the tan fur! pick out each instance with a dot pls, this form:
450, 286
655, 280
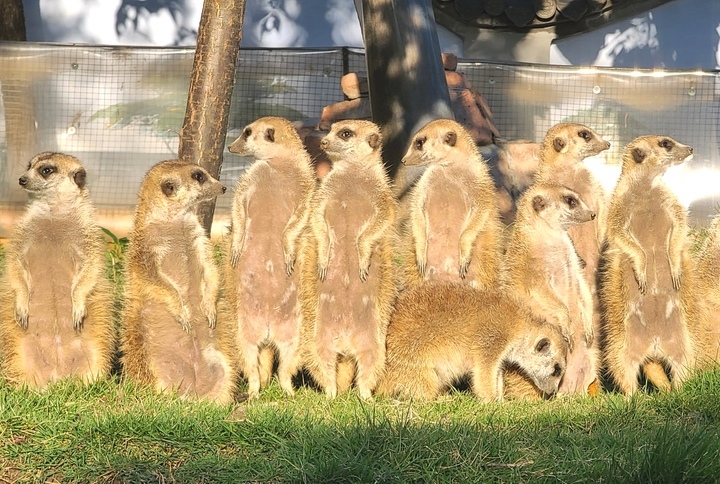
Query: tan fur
647, 273
56, 313
705, 314
268, 216
348, 285
543, 270
453, 226
562, 152
442, 331
171, 338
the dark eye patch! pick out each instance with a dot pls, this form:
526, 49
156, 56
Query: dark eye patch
420, 142
667, 144
199, 176
571, 201
47, 170
346, 133
542, 345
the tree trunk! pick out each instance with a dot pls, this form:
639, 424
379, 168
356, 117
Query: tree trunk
405, 75
17, 97
202, 137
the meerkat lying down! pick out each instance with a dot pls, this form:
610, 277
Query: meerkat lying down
442, 331
55, 318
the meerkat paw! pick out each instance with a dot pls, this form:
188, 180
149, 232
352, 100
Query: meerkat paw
568, 337
421, 265
22, 314
289, 262
676, 277
589, 337
364, 270
641, 280
322, 271
184, 318
464, 266
235, 253
78, 315
211, 314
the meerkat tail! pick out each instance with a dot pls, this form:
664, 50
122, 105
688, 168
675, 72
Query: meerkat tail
266, 359
655, 372
345, 374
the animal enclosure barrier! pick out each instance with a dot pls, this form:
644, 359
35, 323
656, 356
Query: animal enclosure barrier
119, 110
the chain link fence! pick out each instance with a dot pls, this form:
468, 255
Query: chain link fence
119, 110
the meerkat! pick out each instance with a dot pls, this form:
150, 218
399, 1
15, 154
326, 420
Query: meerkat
543, 270
646, 271
348, 282
171, 338
705, 310
268, 217
56, 314
441, 331
453, 228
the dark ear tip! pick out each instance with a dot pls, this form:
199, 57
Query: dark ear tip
638, 155
538, 203
558, 144
80, 177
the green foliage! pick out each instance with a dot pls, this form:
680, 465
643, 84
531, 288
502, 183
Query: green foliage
115, 256
118, 431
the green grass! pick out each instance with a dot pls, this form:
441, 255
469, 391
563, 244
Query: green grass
114, 431
117, 431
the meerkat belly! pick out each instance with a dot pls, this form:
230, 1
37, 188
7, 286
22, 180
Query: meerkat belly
346, 303
446, 210
658, 311
266, 293
51, 346
189, 362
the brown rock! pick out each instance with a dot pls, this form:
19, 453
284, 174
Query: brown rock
353, 109
354, 85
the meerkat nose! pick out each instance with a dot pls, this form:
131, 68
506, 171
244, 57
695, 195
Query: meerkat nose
23, 180
592, 216
607, 144
323, 143
224, 188
690, 148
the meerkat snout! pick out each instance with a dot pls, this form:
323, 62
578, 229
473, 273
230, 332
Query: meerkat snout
23, 180
324, 143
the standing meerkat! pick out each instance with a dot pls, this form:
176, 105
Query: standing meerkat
646, 270
453, 229
170, 337
442, 331
56, 313
267, 220
562, 151
705, 309
348, 285
543, 270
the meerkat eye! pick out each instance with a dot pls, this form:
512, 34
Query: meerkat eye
557, 370
571, 201
199, 176
542, 345
247, 132
585, 135
345, 134
666, 143
420, 142
46, 171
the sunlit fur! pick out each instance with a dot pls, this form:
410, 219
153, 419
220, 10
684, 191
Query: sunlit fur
56, 312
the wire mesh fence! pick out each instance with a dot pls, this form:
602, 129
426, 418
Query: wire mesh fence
119, 110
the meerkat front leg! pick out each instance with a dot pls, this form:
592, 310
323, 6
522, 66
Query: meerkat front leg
627, 243
175, 301
322, 237
291, 234
240, 224
419, 227
20, 283
553, 308
378, 224
210, 278
676, 247
475, 224
83, 284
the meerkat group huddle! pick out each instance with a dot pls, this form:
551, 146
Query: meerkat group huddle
394, 297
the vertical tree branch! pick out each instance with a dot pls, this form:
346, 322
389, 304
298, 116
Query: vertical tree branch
202, 136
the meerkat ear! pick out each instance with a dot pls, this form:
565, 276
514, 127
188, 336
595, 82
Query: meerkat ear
450, 138
79, 177
270, 135
638, 155
168, 187
374, 141
538, 203
559, 144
